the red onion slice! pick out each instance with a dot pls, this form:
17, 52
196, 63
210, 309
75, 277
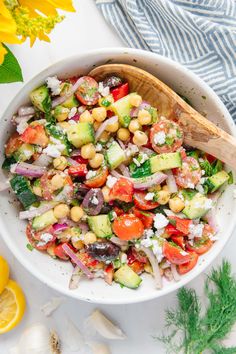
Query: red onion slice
146, 151
174, 272
19, 119
72, 162
155, 266
60, 227
83, 227
124, 169
77, 261
28, 170
145, 182
93, 209
172, 186
134, 112
118, 242
30, 214
61, 99
76, 152
122, 145
26, 110
43, 160
103, 126
210, 217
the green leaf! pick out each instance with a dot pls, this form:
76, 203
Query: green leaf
10, 70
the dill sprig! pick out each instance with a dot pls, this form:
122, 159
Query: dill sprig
192, 330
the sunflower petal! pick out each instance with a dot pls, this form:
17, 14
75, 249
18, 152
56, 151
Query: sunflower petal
42, 6
65, 5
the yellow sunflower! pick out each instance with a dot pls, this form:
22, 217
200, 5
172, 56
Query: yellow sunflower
29, 19
7, 29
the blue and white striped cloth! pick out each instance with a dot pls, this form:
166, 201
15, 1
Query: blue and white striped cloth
200, 34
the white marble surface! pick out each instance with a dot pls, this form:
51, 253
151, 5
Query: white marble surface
79, 32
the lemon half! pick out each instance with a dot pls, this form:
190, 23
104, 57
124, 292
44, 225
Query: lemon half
4, 273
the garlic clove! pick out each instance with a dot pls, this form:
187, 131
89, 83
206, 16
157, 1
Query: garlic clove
72, 337
99, 348
51, 306
104, 326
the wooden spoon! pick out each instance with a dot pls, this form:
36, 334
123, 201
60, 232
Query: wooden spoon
198, 131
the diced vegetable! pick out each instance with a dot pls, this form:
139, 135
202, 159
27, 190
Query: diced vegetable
41, 99
21, 187
81, 134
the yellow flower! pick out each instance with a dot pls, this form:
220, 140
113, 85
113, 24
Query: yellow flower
7, 29
29, 18
47, 7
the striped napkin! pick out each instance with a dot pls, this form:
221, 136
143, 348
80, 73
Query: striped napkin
200, 34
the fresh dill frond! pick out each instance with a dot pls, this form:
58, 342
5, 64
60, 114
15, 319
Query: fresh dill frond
194, 331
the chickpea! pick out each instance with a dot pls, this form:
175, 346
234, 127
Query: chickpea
77, 243
123, 134
61, 211
96, 161
134, 125
96, 125
163, 197
88, 151
37, 190
140, 138
165, 188
99, 114
112, 128
86, 117
89, 237
135, 100
106, 193
105, 136
60, 163
76, 213
144, 117
57, 182
176, 204
64, 125
155, 188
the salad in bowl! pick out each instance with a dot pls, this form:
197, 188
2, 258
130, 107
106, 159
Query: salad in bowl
108, 184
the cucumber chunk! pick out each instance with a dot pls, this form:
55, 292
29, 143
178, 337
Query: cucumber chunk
216, 181
197, 207
71, 102
24, 153
41, 99
115, 155
122, 109
100, 225
165, 161
57, 133
127, 277
22, 189
81, 134
44, 220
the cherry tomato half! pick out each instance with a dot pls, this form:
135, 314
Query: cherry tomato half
99, 180
87, 92
128, 227
13, 144
175, 254
143, 204
186, 267
145, 216
200, 246
122, 190
35, 135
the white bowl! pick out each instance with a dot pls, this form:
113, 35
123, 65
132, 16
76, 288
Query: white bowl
55, 273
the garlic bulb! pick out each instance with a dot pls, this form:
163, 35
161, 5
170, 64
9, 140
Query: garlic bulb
37, 339
104, 326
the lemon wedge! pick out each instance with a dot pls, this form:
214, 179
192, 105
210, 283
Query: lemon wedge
12, 306
4, 273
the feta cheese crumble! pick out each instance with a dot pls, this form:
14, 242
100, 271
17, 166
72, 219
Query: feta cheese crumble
72, 112
131, 150
54, 85
22, 126
52, 151
149, 196
195, 230
90, 174
98, 147
160, 138
44, 239
111, 181
160, 221
94, 200
103, 90
144, 157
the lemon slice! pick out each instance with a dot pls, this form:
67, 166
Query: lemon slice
12, 306
4, 273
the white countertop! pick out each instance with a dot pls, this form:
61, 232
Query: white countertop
79, 32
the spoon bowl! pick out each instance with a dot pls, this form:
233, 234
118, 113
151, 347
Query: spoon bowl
199, 132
